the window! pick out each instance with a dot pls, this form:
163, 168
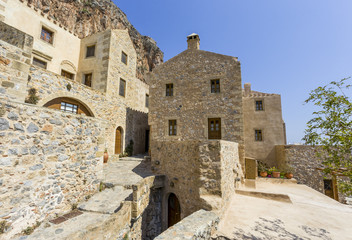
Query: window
90, 51
259, 105
47, 35
39, 63
67, 74
169, 89
146, 100
215, 85
258, 135
214, 128
124, 58
68, 107
122, 90
88, 79
172, 127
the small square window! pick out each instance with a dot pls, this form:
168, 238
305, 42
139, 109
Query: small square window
68, 107
169, 89
88, 79
122, 90
146, 100
47, 35
172, 127
124, 58
259, 105
215, 86
39, 63
67, 74
258, 135
90, 51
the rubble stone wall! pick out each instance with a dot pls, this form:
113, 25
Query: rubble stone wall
49, 161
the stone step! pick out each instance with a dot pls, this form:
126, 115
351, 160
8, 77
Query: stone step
107, 201
265, 195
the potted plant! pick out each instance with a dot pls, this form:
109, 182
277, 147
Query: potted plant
262, 169
289, 171
275, 172
106, 155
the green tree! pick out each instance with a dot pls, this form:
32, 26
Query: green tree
331, 130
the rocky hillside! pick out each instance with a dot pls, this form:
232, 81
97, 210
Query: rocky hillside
85, 17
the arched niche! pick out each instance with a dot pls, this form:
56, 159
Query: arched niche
70, 105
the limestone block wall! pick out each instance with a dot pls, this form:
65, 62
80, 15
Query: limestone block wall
269, 121
15, 59
201, 225
195, 170
49, 161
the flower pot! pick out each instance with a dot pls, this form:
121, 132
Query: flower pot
263, 174
106, 157
276, 174
289, 175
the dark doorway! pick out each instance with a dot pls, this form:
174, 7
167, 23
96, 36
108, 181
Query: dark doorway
174, 210
328, 188
147, 141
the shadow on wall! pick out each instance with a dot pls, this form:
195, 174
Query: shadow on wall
136, 130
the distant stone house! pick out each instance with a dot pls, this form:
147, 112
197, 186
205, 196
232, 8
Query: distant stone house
94, 76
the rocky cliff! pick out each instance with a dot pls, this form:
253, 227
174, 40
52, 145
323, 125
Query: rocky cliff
85, 17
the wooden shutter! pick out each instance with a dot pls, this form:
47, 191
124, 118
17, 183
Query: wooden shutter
214, 128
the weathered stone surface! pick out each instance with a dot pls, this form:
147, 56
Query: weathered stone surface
4, 124
32, 128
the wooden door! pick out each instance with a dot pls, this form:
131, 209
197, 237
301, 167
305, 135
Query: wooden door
214, 128
174, 210
118, 141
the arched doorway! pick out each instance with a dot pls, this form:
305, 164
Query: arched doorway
174, 210
118, 140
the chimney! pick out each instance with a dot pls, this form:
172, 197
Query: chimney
193, 41
247, 89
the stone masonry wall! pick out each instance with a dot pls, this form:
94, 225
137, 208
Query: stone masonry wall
201, 225
49, 161
195, 170
15, 54
146, 208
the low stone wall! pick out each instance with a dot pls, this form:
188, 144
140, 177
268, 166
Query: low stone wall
198, 226
196, 170
146, 208
15, 59
49, 161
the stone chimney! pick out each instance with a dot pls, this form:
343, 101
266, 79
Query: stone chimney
193, 41
247, 89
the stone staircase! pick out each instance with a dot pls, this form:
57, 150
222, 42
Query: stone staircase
103, 215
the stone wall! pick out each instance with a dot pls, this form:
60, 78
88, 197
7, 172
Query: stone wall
196, 170
146, 208
49, 161
15, 59
201, 225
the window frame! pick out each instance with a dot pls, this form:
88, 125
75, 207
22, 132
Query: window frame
219, 131
169, 90
85, 75
47, 31
261, 108
172, 127
90, 46
38, 60
258, 135
216, 84
122, 57
74, 107
72, 76
124, 87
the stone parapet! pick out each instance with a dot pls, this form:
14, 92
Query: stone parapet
198, 226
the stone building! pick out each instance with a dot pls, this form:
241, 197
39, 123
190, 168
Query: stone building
196, 121
95, 76
264, 127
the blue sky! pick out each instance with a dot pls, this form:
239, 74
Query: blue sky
287, 47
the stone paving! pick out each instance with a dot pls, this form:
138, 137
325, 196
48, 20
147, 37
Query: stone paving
119, 176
